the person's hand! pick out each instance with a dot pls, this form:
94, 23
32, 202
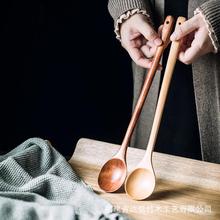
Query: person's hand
139, 39
195, 39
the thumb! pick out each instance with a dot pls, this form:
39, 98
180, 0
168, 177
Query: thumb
149, 33
184, 29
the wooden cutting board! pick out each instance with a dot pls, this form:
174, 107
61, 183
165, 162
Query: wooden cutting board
185, 189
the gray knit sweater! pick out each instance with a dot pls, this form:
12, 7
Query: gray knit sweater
210, 9
36, 182
206, 75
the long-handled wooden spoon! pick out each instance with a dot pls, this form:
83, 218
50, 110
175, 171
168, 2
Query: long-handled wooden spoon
140, 183
114, 171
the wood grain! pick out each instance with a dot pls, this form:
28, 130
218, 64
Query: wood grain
172, 58
167, 28
186, 189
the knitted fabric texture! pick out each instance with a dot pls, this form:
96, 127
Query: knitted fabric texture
126, 16
36, 182
209, 10
210, 13
118, 7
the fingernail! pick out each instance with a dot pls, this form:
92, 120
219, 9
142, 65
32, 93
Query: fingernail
158, 41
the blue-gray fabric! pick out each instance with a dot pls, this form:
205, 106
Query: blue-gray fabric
36, 182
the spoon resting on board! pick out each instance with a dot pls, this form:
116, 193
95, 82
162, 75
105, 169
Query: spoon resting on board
114, 171
141, 182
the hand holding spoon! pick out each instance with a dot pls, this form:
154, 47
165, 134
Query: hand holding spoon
114, 171
140, 183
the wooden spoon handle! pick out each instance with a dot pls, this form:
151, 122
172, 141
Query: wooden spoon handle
173, 54
167, 28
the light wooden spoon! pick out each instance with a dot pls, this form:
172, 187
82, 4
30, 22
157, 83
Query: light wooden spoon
141, 182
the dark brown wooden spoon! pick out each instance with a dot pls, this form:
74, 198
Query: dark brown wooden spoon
114, 171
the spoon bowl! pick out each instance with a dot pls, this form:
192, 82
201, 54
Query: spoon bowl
144, 181
112, 175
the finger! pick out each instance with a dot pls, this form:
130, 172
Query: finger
151, 44
187, 41
184, 29
138, 57
149, 33
147, 51
153, 48
190, 54
183, 47
184, 44
126, 42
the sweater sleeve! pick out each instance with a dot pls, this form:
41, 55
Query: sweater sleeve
210, 11
118, 7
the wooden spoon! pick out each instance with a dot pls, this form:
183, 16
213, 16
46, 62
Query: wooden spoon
140, 183
114, 171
